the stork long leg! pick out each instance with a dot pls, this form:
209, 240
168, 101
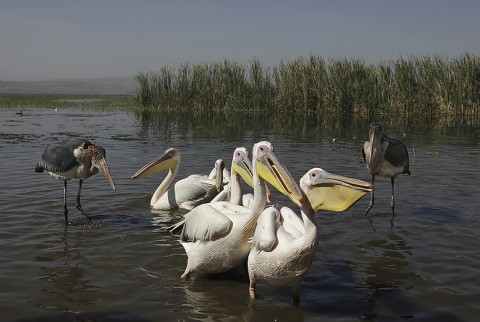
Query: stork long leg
393, 198
79, 206
372, 199
65, 209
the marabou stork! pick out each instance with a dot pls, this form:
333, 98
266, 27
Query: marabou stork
386, 157
75, 158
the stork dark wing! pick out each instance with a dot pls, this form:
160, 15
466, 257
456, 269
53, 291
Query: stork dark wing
73, 143
56, 158
397, 154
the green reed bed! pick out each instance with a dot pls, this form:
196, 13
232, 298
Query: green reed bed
430, 86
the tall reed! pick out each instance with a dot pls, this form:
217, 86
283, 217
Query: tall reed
427, 87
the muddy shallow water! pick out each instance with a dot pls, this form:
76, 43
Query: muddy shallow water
424, 268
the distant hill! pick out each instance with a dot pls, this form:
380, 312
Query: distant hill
94, 86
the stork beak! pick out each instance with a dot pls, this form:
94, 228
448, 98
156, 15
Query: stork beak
101, 164
163, 162
375, 137
270, 169
335, 193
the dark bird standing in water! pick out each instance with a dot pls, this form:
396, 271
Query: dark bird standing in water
75, 158
386, 157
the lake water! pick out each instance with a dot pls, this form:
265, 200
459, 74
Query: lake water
424, 268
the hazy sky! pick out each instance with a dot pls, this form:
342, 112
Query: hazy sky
48, 39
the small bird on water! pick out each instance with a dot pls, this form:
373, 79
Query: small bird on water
385, 156
75, 158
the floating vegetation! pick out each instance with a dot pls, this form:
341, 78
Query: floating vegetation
9, 138
93, 102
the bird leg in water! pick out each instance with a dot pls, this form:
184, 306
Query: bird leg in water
79, 206
393, 199
252, 290
296, 294
372, 199
65, 209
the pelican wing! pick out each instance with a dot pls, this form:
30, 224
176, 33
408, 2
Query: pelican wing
291, 222
223, 195
247, 199
205, 223
193, 190
265, 236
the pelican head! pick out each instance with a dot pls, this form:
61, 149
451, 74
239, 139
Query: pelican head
243, 166
331, 192
99, 161
169, 160
270, 169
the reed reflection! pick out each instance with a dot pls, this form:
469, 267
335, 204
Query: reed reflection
310, 127
232, 126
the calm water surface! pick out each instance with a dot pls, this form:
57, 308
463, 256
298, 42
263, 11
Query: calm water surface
425, 268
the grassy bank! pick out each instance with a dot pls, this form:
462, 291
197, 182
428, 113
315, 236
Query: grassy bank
67, 101
427, 87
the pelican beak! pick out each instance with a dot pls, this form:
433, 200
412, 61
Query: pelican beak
334, 192
270, 169
219, 166
98, 161
163, 162
244, 168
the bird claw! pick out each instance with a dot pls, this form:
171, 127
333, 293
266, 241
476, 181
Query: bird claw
79, 207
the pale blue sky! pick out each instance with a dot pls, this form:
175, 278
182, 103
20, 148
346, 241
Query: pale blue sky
63, 39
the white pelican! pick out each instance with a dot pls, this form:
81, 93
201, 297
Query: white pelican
384, 156
186, 193
232, 191
217, 236
284, 245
